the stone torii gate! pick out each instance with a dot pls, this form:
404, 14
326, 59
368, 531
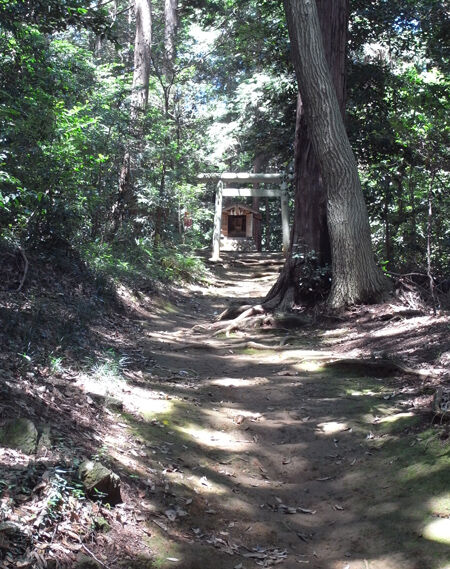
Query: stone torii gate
247, 178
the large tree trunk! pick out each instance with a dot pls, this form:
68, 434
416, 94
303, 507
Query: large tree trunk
310, 227
310, 240
356, 278
127, 199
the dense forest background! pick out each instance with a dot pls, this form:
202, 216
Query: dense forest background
222, 96
220, 421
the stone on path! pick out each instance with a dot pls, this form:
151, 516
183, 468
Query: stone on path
20, 434
100, 482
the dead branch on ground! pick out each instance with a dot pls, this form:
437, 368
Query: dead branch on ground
25, 270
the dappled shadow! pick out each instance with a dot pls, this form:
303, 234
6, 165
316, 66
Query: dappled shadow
313, 441
223, 449
400, 334
321, 464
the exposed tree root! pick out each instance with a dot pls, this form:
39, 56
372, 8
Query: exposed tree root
259, 263
235, 324
258, 346
289, 321
200, 328
194, 346
233, 311
246, 320
248, 344
400, 314
261, 275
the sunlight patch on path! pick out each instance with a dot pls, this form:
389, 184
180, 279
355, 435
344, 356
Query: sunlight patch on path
438, 530
214, 439
239, 382
333, 427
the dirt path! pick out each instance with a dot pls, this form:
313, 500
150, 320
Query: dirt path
230, 456
266, 458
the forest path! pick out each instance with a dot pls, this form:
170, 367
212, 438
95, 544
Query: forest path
268, 458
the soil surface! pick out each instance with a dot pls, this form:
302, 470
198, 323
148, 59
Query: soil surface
244, 450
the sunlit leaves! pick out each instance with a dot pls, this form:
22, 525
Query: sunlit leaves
398, 121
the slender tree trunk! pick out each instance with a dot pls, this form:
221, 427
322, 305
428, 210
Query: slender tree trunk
167, 80
411, 237
127, 199
429, 232
258, 166
267, 234
356, 278
387, 224
170, 33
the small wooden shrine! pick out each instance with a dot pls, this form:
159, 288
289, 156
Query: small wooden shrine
239, 229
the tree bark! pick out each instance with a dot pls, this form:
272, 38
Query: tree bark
356, 278
310, 237
142, 58
310, 227
127, 199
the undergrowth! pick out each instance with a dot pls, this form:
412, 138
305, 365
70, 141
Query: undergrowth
140, 262
68, 289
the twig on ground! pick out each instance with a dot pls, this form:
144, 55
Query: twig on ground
25, 270
94, 557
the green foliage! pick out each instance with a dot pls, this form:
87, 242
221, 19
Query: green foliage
53, 15
142, 263
63, 493
108, 369
65, 92
57, 134
399, 128
314, 280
